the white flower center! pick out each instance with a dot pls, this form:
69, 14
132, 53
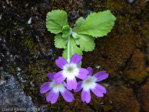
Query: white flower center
57, 87
70, 71
89, 83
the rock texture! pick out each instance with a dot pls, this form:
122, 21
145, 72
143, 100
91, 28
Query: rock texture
27, 54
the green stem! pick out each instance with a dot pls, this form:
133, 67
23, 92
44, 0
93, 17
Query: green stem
68, 48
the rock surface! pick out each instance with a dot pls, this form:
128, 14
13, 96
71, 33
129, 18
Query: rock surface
27, 54
13, 97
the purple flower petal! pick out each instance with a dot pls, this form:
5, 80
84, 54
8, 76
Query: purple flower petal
45, 87
71, 84
76, 59
99, 73
52, 97
100, 88
68, 96
90, 71
60, 62
86, 96
102, 75
51, 75
97, 92
82, 73
58, 77
78, 86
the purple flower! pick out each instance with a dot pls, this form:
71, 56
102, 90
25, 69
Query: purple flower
70, 71
54, 90
90, 84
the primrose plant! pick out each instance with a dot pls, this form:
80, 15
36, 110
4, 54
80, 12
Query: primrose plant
75, 40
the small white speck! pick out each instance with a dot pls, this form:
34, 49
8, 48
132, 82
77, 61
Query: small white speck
29, 21
111, 102
18, 69
98, 67
130, 1
2, 82
107, 85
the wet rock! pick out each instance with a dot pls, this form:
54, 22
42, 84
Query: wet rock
87, 12
20, 78
13, 97
49, 52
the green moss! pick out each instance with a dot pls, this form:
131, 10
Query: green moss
28, 42
11, 69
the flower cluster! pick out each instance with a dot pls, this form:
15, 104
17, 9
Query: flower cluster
70, 71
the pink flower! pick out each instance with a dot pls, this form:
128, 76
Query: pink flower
90, 83
70, 71
55, 89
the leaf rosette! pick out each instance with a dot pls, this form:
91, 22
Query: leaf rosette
81, 37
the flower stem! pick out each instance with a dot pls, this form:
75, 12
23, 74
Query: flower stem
68, 50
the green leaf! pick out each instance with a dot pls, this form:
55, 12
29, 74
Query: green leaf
77, 42
59, 41
55, 21
97, 24
73, 49
86, 42
66, 31
75, 35
79, 22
